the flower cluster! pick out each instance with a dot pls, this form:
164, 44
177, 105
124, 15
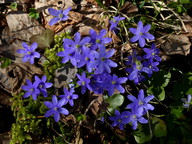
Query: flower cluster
138, 65
34, 89
139, 107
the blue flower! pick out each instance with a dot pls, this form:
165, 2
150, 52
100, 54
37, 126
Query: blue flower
187, 101
97, 39
141, 102
114, 23
31, 90
42, 85
117, 120
67, 55
102, 61
83, 82
86, 58
134, 117
152, 66
115, 83
60, 15
141, 33
99, 82
152, 53
29, 52
55, 108
69, 96
77, 44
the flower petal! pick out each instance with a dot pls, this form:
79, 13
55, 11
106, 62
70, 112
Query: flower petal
148, 36
134, 31
141, 95
56, 116
54, 100
33, 46
21, 51
53, 21
48, 104
53, 12
49, 113
141, 42
146, 28
134, 38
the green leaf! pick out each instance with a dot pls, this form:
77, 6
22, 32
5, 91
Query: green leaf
142, 4
45, 39
159, 127
161, 78
33, 13
5, 62
142, 134
100, 3
80, 117
114, 101
13, 6
184, 1
159, 92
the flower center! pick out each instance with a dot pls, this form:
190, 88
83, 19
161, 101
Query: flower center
98, 41
77, 46
31, 89
141, 34
83, 83
103, 59
55, 108
60, 15
68, 97
113, 82
86, 58
134, 117
140, 103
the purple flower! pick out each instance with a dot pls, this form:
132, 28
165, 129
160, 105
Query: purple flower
141, 33
83, 82
56, 107
187, 101
29, 52
86, 58
99, 82
97, 39
67, 55
134, 117
42, 85
136, 68
141, 102
77, 44
114, 23
60, 15
69, 96
115, 83
102, 61
117, 120
152, 53
152, 67
31, 90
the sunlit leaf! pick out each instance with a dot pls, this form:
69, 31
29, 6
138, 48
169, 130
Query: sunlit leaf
114, 101
45, 39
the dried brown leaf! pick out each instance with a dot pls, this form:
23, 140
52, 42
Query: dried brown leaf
128, 7
16, 75
177, 44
